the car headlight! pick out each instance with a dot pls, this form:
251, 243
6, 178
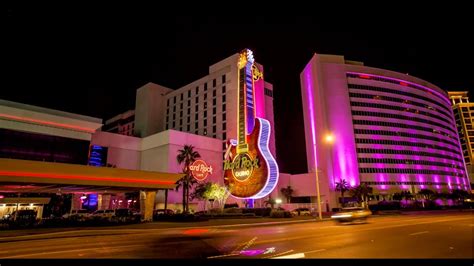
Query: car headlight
341, 216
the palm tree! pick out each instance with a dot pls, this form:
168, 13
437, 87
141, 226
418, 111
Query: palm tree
186, 156
270, 202
342, 186
287, 192
361, 192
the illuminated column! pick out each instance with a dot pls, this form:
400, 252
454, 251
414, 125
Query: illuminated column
147, 204
103, 201
76, 203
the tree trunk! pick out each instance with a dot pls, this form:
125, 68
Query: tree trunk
166, 200
184, 195
187, 199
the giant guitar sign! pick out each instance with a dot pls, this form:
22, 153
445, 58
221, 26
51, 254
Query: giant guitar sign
250, 170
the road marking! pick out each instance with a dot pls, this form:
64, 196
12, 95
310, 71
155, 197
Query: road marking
313, 251
291, 256
419, 233
278, 255
222, 256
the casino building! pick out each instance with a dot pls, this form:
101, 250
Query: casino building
389, 130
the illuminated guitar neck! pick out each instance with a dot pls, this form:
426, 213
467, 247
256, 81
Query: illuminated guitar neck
242, 145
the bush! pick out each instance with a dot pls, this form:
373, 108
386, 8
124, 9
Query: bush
233, 210
280, 214
232, 205
262, 212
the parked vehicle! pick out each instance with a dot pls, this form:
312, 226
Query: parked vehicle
103, 214
125, 216
351, 214
22, 218
301, 212
162, 212
82, 214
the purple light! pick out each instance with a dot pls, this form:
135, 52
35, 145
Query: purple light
252, 252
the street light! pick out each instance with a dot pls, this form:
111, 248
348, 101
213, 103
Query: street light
329, 139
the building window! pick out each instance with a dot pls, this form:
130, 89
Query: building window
196, 117
174, 99
180, 113
189, 103
214, 129
223, 117
174, 116
197, 90
189, 94
268, 92
223, 78
174, 108
205, 132
196, 108
196, 126
188, 128
223, 107
214, 110
180, 128
197, 99
214, 93
214, 101
205, 96
180, 122
181, 97
214, 82
223, 98
205, 122
174, 124
166, 126
196, 132
224, 135
205, 114
214, 119
167, 111
189, 111
224, 126
189, 119
205, 86
181, 105
205, 105
168, 102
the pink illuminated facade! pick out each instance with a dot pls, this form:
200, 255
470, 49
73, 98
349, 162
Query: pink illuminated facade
391, 131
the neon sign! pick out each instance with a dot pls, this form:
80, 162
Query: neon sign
200, 170
250, 170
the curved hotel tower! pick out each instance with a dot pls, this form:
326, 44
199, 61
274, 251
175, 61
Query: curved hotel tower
391, 131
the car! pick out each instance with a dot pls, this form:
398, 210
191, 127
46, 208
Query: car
77, 214
301, 212
22, 218
351, 214
103, 214
162, 212
125, 216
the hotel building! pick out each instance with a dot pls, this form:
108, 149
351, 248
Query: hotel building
391, 131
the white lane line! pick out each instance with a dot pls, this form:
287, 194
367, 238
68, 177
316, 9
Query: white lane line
419, 233
222, 256
279, 254
291, 256
67, 251
313, 251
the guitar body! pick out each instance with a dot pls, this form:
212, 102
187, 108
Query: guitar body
263, 178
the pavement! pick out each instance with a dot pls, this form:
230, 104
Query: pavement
438, 234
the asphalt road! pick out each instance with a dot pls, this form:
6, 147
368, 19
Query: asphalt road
439, 235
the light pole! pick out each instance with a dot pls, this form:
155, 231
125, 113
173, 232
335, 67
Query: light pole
329, 139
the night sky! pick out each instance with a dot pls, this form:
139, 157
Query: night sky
91, 60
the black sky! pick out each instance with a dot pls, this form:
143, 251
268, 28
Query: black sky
91, 60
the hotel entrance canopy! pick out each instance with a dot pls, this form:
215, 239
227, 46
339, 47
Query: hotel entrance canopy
47, 177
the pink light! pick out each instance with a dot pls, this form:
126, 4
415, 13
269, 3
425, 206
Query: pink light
429, 90
1, 196
49, 123
403, 83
